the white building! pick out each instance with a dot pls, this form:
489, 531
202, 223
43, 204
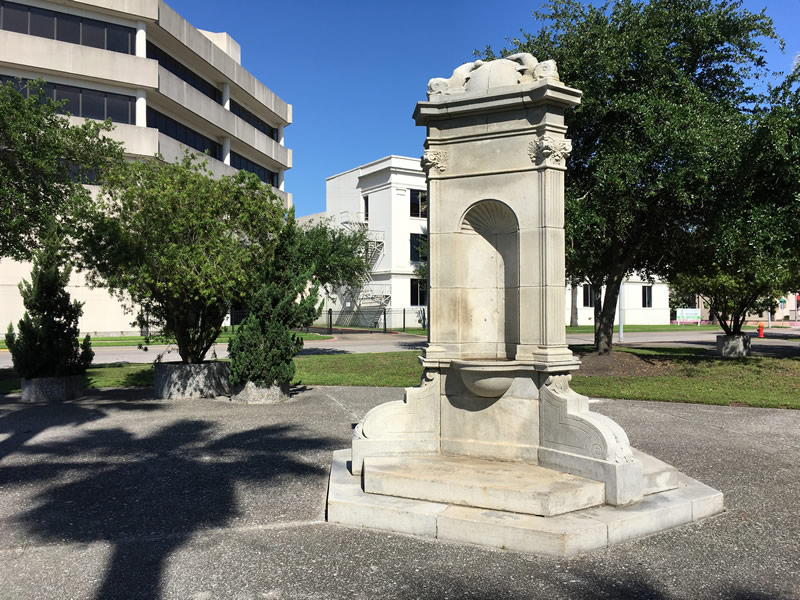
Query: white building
388, 197
643, 303
165, 84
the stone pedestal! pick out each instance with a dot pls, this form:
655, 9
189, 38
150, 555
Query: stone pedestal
494, 434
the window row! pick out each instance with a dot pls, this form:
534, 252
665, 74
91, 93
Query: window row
185, 135
419, 292
53, 25
244, 114
84, 102
647, 296
244, 164
180, 71
419, 203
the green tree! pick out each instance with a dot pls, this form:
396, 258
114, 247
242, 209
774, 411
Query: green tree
665, 83
336, 256
181, 245
46, 342
743, 251
264, 345
43, 160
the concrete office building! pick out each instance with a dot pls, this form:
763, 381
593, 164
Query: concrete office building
388, 197
166, 86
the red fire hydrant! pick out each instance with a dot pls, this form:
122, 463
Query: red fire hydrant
761, 330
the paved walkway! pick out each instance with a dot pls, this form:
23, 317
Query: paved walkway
119, 496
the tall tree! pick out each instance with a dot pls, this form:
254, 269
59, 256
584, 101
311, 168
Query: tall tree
169, 238
43, 161
664, 82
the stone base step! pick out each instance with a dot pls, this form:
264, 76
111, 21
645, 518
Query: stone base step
460, 480
658, 475
562, 535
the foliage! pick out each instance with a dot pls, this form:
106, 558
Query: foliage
46, 343
180, 244
263, 347
421, 268
43, 159
665, 83
743, 248
335, 256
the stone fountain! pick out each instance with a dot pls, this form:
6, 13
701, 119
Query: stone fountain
494, 448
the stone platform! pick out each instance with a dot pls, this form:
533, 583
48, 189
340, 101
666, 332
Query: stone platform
505, 486
561, 535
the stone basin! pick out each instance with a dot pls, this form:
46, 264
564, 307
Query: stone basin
487, 378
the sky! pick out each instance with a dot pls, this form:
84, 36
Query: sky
354, 70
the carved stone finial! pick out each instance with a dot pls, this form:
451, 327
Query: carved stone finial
549, 151
479, 76
436, 159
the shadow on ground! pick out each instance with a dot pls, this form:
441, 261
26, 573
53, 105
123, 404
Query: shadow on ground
144, 495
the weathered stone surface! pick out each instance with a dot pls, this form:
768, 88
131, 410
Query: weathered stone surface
52, 389
733, 346
560, 535
500, 485
250, 393
179, 380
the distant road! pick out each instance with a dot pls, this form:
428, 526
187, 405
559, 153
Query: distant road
780, 342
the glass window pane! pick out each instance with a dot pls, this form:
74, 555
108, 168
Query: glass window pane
93, 104
43, 23
93, 33
15, 17
118, 38
73, 97
118, 108
68, 29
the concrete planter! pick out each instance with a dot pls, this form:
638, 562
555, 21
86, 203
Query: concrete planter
52, 389
733, 346
179, 380
251, 393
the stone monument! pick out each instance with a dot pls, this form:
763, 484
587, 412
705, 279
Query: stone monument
494, 447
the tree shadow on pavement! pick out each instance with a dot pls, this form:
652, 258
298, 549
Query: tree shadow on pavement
146, 496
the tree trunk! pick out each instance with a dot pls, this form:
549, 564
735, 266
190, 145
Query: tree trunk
604, 327
573, 313
597, 301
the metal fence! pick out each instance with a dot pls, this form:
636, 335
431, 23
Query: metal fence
374, 319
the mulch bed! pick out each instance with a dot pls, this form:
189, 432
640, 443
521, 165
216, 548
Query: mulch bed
616, 364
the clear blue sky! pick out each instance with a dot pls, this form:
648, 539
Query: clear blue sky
354, 70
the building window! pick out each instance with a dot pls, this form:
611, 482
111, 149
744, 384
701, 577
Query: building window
181, 72
244, 114
84, 102
178, 131
419, 292
366, 209
647, 296
53, 25
245, 164
588, 297
416, 240
419, 203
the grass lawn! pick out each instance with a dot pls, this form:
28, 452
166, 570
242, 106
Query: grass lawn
135, 340
653, 328
689, 377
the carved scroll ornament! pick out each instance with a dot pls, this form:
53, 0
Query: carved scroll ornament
549, 151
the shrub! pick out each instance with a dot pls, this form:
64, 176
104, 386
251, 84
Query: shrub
46, 344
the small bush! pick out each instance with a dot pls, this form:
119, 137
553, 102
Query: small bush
46, 343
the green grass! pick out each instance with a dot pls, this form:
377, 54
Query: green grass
653, 328
697, 379
135, 340
414, 331
100, 376
387, 369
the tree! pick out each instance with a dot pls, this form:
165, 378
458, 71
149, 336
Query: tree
43, 160
743, 250
264, 345
664, 84
183, 246
336, 256
46, 342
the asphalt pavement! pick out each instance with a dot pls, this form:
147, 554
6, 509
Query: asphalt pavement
120, 496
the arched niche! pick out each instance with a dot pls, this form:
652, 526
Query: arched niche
489, 281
